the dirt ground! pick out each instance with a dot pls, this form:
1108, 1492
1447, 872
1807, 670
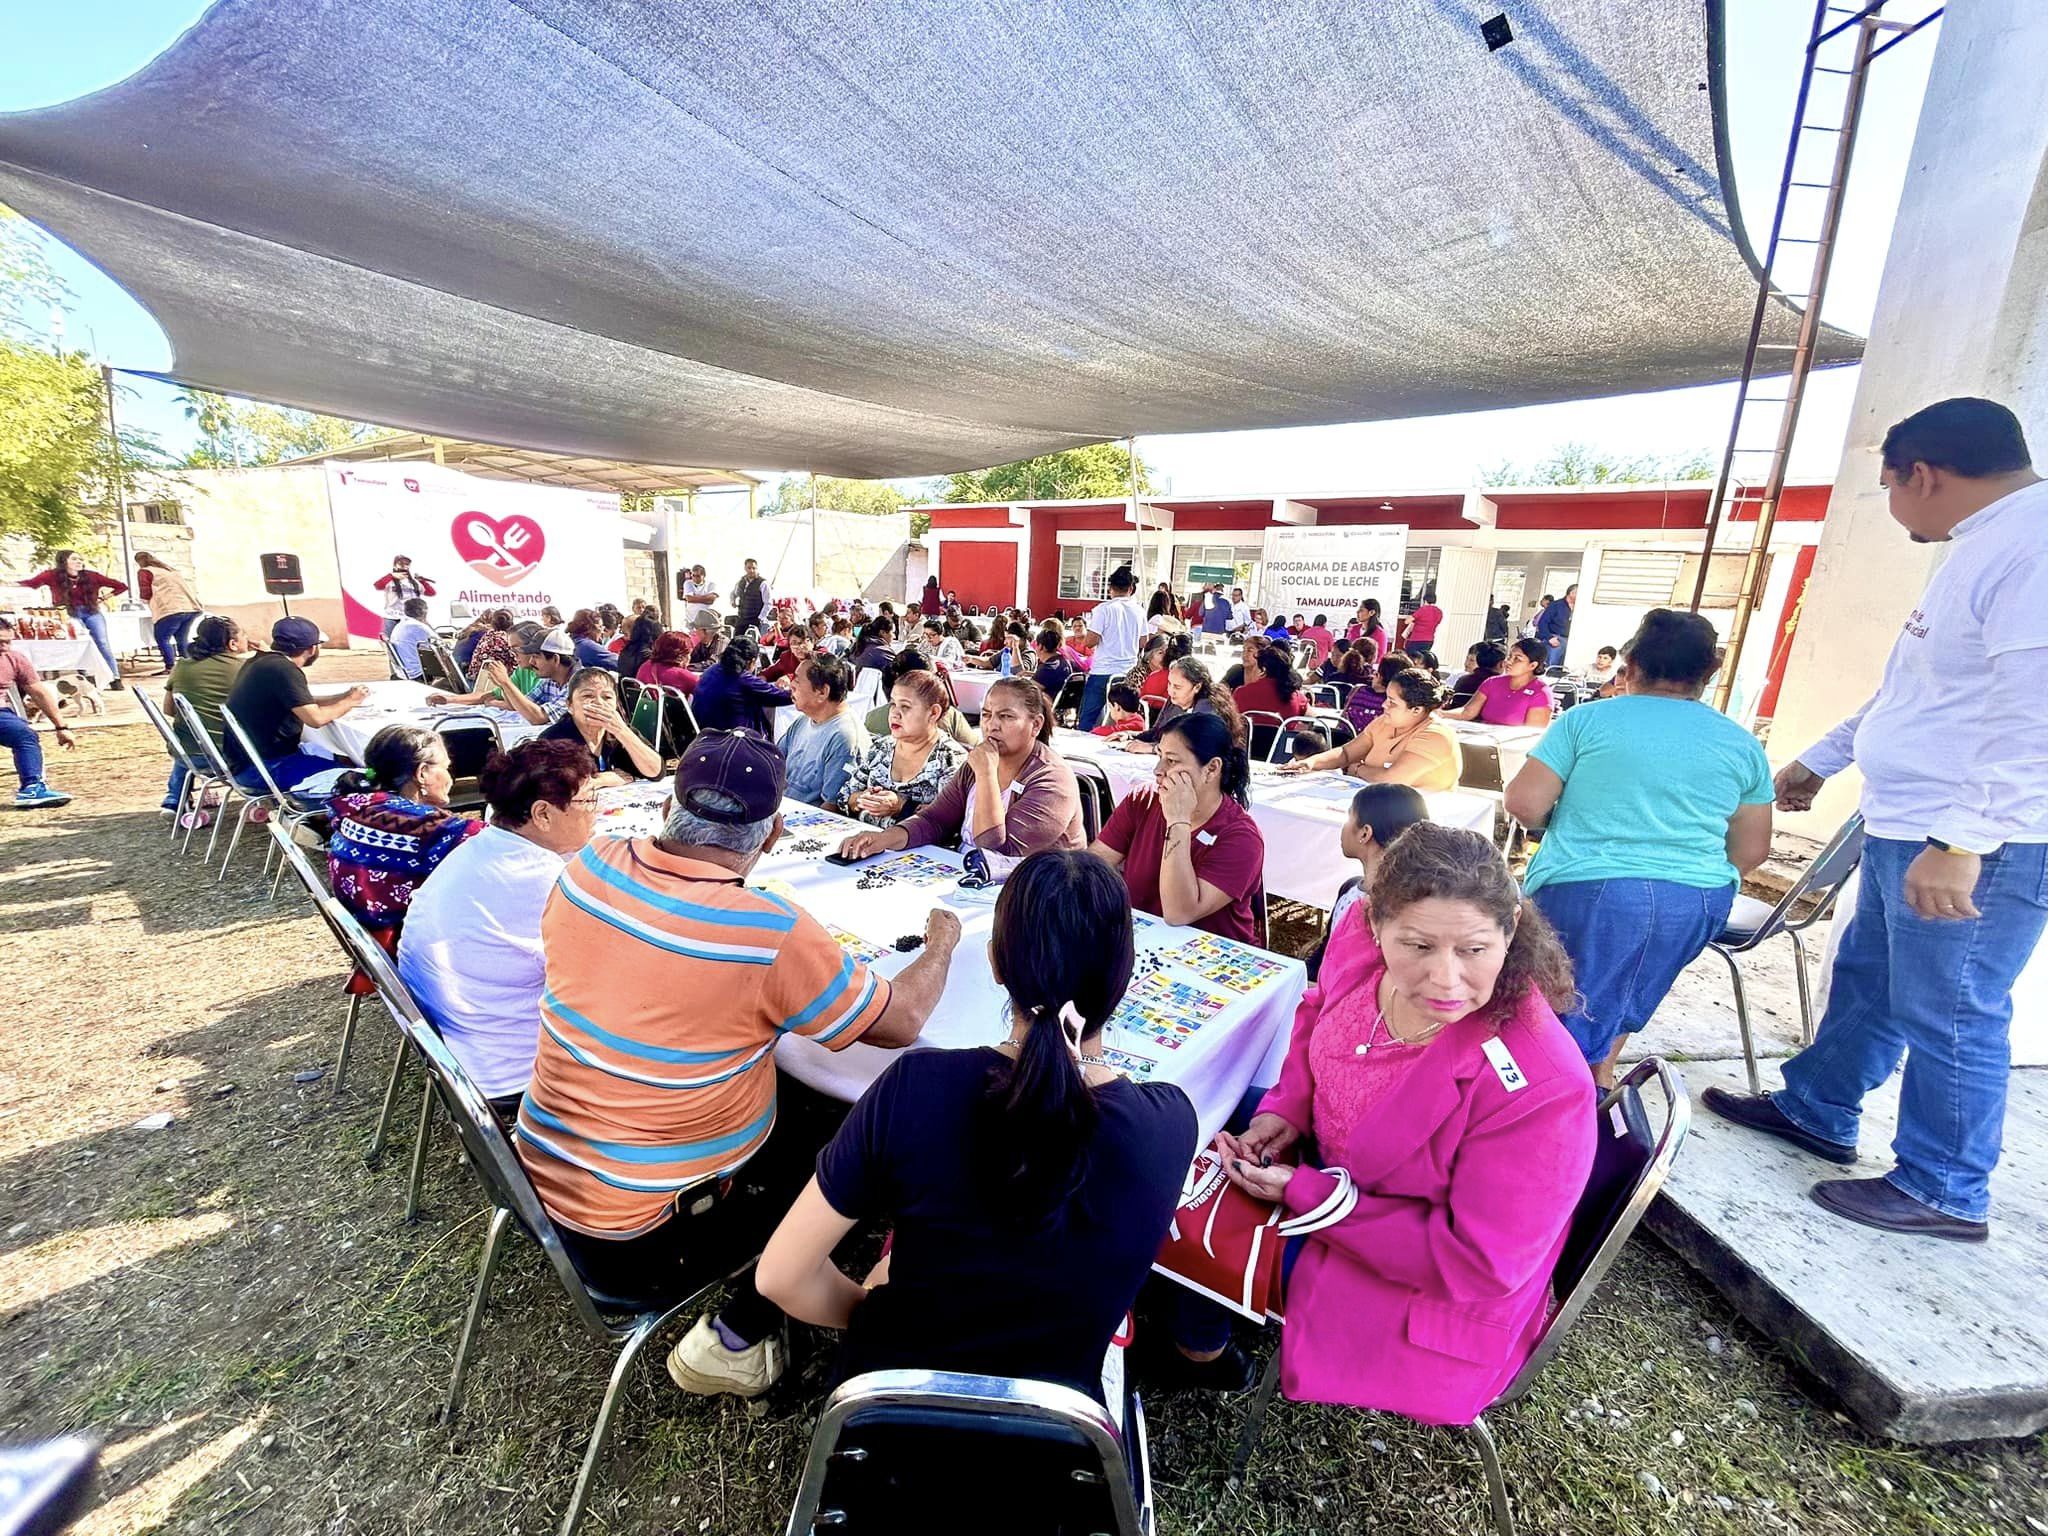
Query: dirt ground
233, 1304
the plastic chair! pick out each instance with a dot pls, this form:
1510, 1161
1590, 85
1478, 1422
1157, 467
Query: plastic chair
217, 772
293, 812
867, 690
1630, 1165
488, 1150
917, 1450
1752, 922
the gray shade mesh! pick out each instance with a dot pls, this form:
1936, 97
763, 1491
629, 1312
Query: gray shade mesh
899, 238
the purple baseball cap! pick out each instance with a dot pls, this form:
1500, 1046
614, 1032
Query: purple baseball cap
730, 766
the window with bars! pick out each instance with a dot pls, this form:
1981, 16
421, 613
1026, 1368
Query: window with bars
1243, 559
1085, 568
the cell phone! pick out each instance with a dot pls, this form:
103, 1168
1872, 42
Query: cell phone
842, 859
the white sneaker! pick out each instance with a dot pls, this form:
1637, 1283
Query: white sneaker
701, 1363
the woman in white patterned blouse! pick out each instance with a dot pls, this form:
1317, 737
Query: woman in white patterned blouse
905, 770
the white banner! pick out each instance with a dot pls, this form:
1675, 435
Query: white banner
482, 543
1331, 571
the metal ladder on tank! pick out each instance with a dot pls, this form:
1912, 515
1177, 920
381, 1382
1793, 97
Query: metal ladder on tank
1844, 42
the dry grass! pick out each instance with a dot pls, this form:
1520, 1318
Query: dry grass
235, 1305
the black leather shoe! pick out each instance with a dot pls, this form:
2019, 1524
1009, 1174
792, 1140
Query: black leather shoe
1881, 1203
1758, 1113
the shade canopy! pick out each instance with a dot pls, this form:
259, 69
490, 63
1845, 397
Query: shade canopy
494, 461
898, 237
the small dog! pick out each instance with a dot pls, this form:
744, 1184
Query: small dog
78, 694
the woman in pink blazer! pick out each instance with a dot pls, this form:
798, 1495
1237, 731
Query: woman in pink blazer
1429, 1062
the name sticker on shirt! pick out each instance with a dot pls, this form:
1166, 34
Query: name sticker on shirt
1504, 1066
1206, 839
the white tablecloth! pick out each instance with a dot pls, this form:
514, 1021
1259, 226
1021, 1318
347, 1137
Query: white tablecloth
970, 687
398, 703
1299, 815
80, 655
130, 630
1213, 1066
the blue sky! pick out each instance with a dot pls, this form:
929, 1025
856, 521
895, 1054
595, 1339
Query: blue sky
58, 51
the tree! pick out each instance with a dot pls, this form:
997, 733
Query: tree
1577, 464
239, 432
56, 464
1100, 469
869, 498
214, 416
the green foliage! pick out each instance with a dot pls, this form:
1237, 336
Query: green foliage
56, 463
1100, 469
869, 498
1577, 464
241, 432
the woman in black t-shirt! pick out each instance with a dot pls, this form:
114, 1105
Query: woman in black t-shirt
1029, 1184
593, 718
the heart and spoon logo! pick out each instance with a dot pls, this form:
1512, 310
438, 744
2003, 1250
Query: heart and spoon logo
500, 549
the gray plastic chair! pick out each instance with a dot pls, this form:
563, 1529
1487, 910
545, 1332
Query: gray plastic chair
1630, 1164
900, 1450
628, 1323
1752, 922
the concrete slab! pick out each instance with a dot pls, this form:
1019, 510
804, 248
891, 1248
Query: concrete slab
1920, 1340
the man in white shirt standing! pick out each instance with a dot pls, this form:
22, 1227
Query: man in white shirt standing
1114, 630
698, 595
1240, 611
1954, 885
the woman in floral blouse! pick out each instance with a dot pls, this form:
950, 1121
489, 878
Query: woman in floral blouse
392, 826
905, 770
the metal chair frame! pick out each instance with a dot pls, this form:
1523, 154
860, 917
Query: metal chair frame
1821, 883
452, 675
218, 773
513, 1199
197, 772
1098, 799
292, 812
1288, 728
1069, 702
1126, 1464
1254, 719
1663, 1152
294, 857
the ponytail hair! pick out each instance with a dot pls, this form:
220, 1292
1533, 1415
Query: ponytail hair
392, 759
1063, 948
1208, 739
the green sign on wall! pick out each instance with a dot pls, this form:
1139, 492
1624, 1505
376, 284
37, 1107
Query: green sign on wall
1212, 575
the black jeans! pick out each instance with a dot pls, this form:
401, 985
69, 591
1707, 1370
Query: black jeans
718, 1227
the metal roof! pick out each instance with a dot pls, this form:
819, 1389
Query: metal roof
494, 461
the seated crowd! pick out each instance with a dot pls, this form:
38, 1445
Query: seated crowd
619, 1000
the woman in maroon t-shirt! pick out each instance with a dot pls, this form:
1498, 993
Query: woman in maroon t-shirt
1189, 850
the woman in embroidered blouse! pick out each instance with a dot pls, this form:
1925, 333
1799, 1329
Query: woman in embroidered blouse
392, 826
905, 770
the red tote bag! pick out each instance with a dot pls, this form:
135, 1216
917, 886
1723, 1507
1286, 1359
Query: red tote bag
1227, 1245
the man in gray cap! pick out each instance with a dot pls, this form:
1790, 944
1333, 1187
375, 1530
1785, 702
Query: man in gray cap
647, 1125
273, 705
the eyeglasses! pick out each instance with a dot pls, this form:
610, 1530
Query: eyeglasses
583, 802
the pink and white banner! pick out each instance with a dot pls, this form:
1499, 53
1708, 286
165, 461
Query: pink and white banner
481, 543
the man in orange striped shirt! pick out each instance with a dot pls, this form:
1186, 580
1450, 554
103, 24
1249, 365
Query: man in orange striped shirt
668, 984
